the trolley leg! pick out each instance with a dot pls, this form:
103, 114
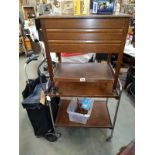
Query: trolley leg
106, 100
57, 134
51, 113
114, 120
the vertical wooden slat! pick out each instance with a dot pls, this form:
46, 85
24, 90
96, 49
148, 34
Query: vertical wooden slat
120, 55
56, 46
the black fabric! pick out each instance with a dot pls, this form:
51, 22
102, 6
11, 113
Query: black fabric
39, 120
54, 103
39, 115
37, 23
38, 27
33, 100
31, 86
101, 56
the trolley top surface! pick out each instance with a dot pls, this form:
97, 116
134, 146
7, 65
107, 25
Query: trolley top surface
115, 15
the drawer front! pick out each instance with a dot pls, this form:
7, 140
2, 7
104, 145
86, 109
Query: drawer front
84, 47
83, 23
84, 35
97, 89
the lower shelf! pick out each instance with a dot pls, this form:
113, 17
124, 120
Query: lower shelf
99, 118
82, 89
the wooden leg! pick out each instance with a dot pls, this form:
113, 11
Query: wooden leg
118, 66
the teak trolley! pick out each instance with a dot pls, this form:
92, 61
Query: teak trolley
93, 33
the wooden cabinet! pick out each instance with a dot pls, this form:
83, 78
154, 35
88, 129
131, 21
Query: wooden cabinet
93, 33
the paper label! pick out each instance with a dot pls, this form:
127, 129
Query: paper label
82, 79
42, 97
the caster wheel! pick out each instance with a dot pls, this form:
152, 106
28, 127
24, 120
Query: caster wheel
38, 136
51, 137
108, 139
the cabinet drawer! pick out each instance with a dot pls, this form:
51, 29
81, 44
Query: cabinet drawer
84, 47
84, 34
87, 40
83, 23
92, 89
87, 34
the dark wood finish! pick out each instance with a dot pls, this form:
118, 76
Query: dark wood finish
85, 23
84, 34
99, 117
82, 89
84, 47
120, 55
91, 72
128, 150
99, 34
89, 33
49, 59
91, 16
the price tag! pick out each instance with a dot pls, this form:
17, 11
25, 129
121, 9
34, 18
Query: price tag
42, 97
82, 79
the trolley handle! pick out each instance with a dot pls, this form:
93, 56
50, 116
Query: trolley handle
32, 58
49, 83
40, 74
38, 69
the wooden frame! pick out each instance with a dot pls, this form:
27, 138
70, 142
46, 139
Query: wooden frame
102, 33
28, 10
93, 33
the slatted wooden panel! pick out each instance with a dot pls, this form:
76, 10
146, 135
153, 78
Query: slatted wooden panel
89, 72
98, 34
78, 23
84, 34
88, 35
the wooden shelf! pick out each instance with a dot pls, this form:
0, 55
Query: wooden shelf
97, 80
82, 89
83, 72
99, 118
87, 34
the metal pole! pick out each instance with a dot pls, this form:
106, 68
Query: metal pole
51, 113
27, 80
116, 112
106, 100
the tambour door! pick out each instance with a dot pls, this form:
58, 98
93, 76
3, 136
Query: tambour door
84, 34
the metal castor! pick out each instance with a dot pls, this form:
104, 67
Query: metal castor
52, 137
109, 139
38, 136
